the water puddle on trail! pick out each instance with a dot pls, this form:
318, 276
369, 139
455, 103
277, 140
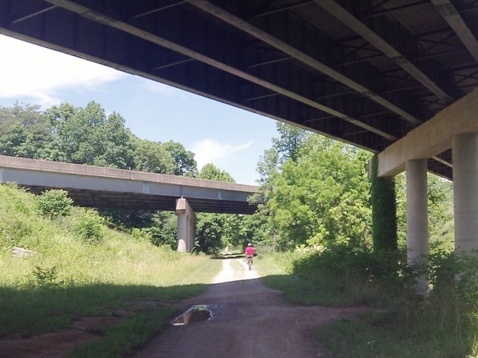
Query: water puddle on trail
196, 313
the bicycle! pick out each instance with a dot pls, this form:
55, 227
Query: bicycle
249, 262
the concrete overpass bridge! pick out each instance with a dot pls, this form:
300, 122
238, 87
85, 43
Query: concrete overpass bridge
99, 187
395, 77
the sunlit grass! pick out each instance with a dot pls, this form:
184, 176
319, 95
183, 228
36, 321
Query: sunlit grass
394, 325
66, 279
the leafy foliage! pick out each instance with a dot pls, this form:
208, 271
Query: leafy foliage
45, 276
209, 231
321, 198
152, 157
211, 172
89, 227
24, 132
290, 142
210, 228
239, 230
440, 210
384, 213
87, 136
54, 203
184, 159
164, 229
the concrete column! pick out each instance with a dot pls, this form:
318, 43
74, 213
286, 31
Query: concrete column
186, 225
417, 209
465, 190
417, 217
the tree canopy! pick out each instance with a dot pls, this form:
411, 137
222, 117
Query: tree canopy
314, 191
87, 136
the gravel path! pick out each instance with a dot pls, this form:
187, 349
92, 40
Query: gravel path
248, 320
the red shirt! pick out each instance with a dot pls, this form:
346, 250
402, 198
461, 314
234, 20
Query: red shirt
250, 250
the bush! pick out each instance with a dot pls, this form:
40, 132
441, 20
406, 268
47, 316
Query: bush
89, 228
342, 264
45, 276
54, 203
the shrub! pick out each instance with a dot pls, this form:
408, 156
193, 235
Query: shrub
54, 203
342, 264
45, 276
89, 227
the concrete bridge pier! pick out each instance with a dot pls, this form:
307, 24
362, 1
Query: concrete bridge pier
417, 217
465, 190
186, 225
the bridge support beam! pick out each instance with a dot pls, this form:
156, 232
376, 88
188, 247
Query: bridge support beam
186, 225
454, 127
417, 218
465, 190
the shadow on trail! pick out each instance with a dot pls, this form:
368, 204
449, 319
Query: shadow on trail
227, 256
236, 255
29, 311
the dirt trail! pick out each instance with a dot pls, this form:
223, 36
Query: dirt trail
248, 320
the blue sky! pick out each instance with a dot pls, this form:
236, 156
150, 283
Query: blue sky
230, 138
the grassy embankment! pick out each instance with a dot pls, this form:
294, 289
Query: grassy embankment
396, 323
67, 278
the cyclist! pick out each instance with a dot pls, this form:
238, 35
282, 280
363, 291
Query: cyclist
249, 252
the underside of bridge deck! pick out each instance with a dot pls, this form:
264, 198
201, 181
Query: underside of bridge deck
134, 201
364, 71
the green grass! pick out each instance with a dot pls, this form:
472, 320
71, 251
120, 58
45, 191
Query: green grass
67, 279
381, 334
316, 289
137, 330
395, 323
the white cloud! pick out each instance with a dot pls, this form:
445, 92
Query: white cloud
211, 151
161, 88
40, 74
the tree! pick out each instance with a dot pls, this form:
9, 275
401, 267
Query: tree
209, 232
211, 229
164, 229
290, 142
321, 198
152, 157
23, 131
184, 159
117, 150
440, 210
241, 229
211, 172
88, 136
268, 164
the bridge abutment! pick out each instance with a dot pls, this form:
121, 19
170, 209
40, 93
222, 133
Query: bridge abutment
186, 225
